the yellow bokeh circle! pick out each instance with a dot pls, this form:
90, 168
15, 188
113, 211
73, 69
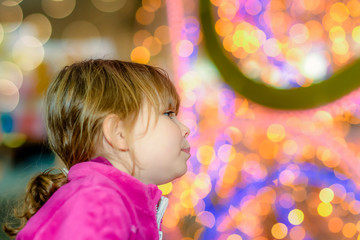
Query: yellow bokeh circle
296, 217
140, 55
276, 132
279, 231
324, 209
166, 188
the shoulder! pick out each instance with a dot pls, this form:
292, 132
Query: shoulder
92, 213
98, 200
95, 193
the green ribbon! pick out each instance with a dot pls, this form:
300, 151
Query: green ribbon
337, 86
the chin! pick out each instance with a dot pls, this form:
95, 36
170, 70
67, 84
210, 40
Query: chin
181, 173
176, 175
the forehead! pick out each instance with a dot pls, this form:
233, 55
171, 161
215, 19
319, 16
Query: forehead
163, 101
157, 107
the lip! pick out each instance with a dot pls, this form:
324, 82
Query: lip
187, 150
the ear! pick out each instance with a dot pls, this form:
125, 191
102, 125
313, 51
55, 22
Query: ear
114, 132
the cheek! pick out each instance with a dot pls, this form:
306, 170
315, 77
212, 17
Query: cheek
162, 142
168, 133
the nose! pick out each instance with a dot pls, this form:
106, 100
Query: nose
184, 130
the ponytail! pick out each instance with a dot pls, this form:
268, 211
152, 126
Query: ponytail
38, 191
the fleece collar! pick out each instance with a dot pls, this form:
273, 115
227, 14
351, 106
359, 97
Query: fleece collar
144, 196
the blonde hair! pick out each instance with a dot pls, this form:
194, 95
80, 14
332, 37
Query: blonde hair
77, 102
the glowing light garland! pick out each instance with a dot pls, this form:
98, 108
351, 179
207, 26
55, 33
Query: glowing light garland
263, 172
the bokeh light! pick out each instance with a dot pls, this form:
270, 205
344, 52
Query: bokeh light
234, 237
325, 209
163, 34
205, 154
144, 17
315, 66
28, 53
206, 219
356, 34
108, 6
296, 217
339, 12
276, 132
151, 5
9, 96
58, 9
140, 55
279, 231
286, 200
297, 233
349, 230
326, 195
184, 48
290, 147
140, 36
11, 72
37, 25
299, 33
335, 224
166, 188
153, 44
11, 15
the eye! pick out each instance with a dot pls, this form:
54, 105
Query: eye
170, 114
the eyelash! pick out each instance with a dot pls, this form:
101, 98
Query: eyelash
170, 114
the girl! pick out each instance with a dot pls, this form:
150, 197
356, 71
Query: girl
114, 125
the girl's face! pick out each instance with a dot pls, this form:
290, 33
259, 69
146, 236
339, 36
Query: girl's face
162, 151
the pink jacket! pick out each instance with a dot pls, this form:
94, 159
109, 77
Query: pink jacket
99, 202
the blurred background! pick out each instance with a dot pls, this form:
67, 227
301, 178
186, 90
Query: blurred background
268, 91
